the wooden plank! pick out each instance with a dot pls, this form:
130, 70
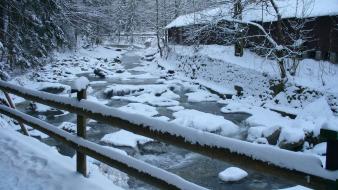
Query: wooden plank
332, 148
213, 152
12, 105
327, 134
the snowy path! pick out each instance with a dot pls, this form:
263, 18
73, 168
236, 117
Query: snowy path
27, 164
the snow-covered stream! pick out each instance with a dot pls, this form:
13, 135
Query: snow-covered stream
164, 97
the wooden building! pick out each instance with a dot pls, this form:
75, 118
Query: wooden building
319, 23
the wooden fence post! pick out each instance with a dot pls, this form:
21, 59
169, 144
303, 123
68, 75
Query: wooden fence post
331, 152
81, 161
12, 105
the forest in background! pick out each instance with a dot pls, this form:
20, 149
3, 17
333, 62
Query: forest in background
31, 29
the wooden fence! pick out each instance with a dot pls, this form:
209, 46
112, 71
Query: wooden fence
150, 174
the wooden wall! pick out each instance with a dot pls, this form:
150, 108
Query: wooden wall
323, 35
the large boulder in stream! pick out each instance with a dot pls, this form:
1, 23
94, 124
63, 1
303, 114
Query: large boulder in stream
291, 138
100, 73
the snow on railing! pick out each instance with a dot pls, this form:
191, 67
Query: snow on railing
209, 144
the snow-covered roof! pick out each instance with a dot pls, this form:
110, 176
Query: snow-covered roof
255, 12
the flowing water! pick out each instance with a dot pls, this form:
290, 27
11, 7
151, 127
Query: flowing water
193, 167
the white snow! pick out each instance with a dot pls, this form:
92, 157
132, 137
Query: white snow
151, 99
79, 84
298, 187
162, 118
26, 163
310, 119
232, 174
255, 133
202, 96
96, 100
315, 110
260, 116
36, 133
42, 108
139, 108
125, 138
155, 95
291, 135
205, 122
319, 115
320, 149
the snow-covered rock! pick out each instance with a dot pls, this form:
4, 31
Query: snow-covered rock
202, 96
36, 133
122, 90
232, 174
298, 187
205, 122
125, 138
39, 107
139, 108
151, 99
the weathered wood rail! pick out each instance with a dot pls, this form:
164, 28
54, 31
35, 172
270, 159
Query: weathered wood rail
220, 148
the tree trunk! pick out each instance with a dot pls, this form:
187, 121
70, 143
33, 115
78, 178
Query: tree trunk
158, 29
2, 21
239, 41
280, 39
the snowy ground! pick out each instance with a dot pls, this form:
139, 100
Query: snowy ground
26, 163
310, 98
191, 97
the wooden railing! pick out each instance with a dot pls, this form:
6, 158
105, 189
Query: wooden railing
220, 148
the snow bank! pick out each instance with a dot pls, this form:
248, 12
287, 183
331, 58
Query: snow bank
320, 115
232, 174
27, 163
205, 122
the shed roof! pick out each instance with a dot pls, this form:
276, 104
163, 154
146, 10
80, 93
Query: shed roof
255, 12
